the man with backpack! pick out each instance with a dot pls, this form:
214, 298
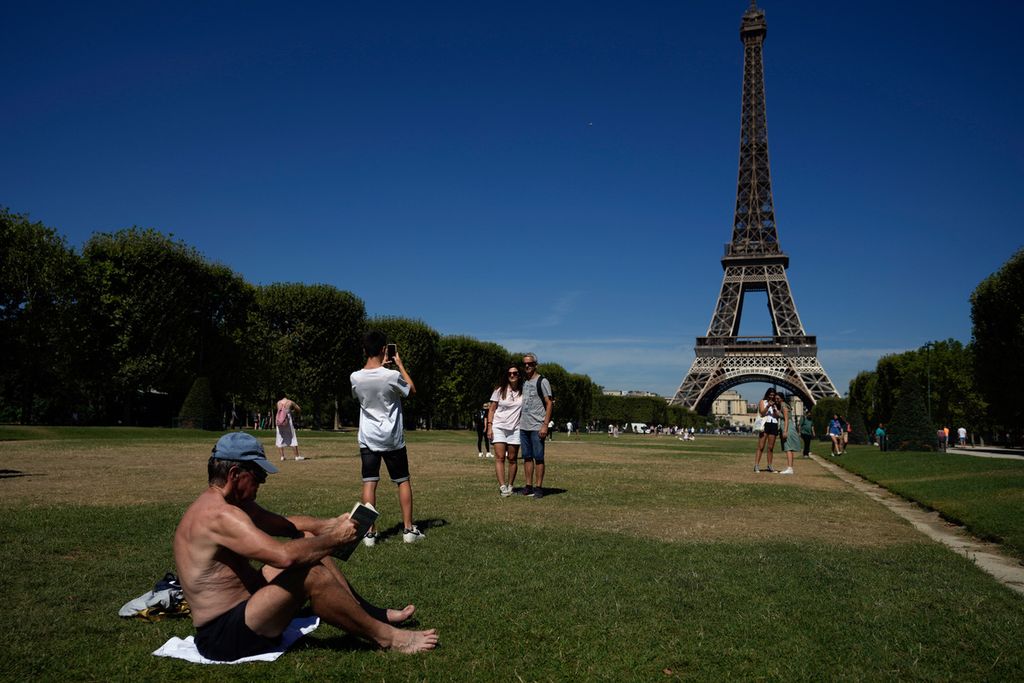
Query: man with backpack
533, 425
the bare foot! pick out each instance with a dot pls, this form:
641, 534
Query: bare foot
411, 642
396, 616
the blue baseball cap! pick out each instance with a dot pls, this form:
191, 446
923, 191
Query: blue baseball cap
242, 447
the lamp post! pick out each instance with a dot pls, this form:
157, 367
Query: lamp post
928, 370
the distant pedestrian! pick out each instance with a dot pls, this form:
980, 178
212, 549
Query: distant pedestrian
483, 444
835, 432
880, 437
807, 433
285, 436
961, 436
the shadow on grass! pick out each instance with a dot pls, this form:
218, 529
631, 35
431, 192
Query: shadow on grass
337, 642
422, 524
10, 474
521, 491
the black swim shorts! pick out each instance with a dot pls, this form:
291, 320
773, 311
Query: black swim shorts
227, 638
397, 463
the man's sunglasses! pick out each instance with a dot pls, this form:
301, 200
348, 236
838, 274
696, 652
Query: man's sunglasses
259, 474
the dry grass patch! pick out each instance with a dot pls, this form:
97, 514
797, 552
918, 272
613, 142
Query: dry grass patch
669, 494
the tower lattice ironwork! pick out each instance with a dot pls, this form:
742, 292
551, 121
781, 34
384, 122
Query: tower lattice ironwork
753, 262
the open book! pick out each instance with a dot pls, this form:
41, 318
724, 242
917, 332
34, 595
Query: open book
363, 515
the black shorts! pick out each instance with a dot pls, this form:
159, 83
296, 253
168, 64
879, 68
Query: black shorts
771, 428
227, 638
397, 463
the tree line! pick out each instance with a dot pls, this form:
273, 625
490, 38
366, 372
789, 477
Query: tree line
139, 328
946, 383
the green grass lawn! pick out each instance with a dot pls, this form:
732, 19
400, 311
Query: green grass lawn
986, 495
654, 560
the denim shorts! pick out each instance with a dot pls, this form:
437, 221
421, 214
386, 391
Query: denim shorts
532, 446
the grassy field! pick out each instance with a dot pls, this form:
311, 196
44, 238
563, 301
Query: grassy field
986, 495
654, 559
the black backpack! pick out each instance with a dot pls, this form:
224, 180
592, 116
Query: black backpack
540, 388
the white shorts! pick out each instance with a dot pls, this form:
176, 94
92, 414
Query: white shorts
505, 436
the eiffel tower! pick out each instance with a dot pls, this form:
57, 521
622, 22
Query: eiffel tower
753, 262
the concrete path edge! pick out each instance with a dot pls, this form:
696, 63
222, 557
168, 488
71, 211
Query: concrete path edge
987, 556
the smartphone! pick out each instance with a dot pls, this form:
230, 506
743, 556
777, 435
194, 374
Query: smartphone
391, 352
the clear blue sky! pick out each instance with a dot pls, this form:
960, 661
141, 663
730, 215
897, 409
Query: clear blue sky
558, 177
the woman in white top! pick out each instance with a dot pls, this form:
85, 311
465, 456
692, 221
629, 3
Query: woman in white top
503, 427
767, 409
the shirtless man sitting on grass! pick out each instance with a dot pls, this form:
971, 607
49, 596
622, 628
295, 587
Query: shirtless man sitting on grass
241, 611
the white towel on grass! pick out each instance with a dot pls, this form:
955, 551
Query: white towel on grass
179, 648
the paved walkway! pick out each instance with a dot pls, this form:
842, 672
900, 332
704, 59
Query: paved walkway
989, 452
987, 556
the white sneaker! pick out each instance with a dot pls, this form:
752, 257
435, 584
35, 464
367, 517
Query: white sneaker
479, 455
412, 535
370, 539
490, 455
788, 470
300, 457
505, 490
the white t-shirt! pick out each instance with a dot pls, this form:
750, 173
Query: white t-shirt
380, 392
509, 409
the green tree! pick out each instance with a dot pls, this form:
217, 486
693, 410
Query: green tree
580, 391
683, 417
469, 370
199, 410
313, 338
160, 315
862, 398
40, 326
909, 428
997, 316
823, 410
650, 410
419, 347
889, 372
858, 431
945, 371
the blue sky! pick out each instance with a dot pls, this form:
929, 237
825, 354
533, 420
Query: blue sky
558, 177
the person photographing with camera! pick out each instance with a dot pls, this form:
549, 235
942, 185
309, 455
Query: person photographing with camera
380, 391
